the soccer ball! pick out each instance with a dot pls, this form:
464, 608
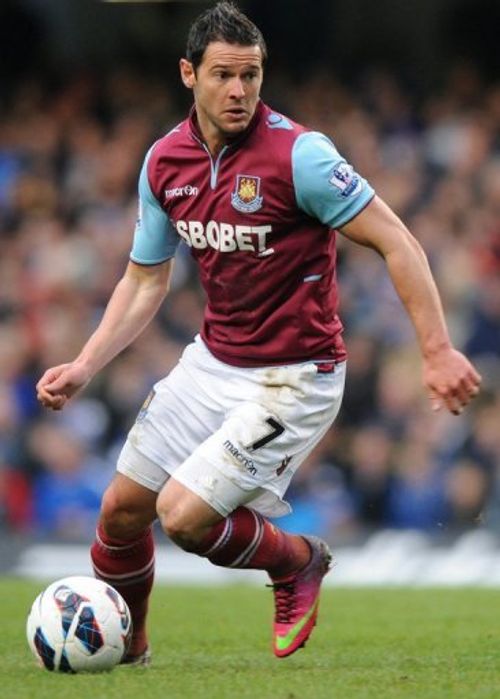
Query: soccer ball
79, 624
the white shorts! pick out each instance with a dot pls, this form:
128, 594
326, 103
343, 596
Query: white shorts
231, 435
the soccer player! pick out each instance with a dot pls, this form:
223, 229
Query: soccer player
258, 199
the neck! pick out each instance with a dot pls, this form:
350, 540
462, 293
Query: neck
214, 139
215, 145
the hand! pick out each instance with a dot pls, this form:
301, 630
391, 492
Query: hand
61, 383
451, 380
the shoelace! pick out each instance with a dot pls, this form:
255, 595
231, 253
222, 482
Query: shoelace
284, 599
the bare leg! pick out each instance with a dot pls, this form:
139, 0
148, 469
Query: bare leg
244, 539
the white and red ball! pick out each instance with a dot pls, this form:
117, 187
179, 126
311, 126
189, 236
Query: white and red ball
79, 624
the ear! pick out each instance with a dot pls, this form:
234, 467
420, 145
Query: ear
188, 75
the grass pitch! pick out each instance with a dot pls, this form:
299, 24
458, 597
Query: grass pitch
215, 644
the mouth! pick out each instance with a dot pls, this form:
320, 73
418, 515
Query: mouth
236, 113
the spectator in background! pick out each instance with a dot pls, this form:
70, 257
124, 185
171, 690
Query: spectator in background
322, 503
67, 488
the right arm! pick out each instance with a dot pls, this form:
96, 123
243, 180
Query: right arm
135, 300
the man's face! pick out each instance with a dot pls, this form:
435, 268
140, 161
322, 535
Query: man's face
226, 88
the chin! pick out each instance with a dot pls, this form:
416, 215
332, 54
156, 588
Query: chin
235, 129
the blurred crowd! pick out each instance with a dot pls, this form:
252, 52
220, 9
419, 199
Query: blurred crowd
70, 154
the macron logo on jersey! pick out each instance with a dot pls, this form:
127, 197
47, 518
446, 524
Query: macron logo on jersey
225, 237
186, 191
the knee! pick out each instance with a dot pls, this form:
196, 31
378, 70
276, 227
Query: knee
121, 519
181, 529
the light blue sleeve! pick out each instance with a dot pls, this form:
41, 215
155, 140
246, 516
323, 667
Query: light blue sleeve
326, 186
155, 238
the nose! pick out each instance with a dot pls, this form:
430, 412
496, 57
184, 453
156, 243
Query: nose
237, 88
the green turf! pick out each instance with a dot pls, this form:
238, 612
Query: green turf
214, 644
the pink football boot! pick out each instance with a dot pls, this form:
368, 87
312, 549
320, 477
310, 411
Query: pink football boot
296, 600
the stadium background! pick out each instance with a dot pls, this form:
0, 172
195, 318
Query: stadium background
410, 94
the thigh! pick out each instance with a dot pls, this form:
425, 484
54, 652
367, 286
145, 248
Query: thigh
260, 444
179, 414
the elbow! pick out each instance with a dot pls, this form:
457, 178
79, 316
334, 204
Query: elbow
406, 254
417, 249
406, 242
414, 244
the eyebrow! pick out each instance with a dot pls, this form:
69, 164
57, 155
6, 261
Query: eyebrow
228, 66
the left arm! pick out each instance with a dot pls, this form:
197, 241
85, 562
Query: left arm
448, 375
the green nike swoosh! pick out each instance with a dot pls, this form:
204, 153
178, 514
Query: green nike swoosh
282, 642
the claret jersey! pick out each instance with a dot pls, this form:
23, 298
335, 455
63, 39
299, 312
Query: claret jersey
260, 221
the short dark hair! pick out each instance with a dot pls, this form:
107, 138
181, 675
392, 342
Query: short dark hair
223, 22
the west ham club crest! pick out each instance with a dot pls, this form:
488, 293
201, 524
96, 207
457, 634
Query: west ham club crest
246, 197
